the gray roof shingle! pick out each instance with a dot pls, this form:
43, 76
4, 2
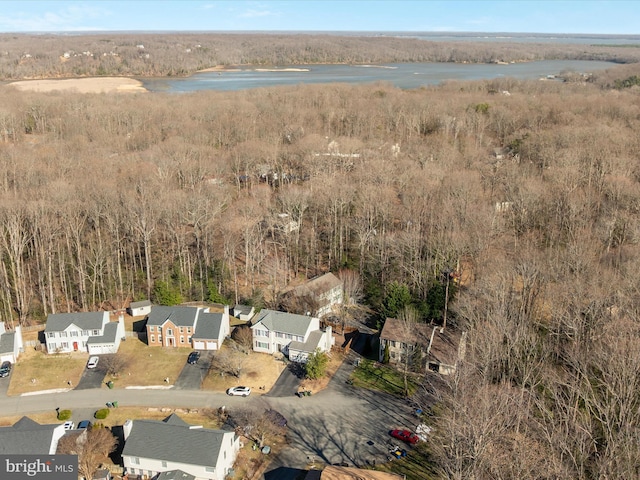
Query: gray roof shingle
141, 303
58, 322
175, 475
180, 316
209, 325
109, 335
26, 437
283, 322
6, 342
173, 442
310, 345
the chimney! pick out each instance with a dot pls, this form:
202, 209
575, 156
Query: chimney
126, 428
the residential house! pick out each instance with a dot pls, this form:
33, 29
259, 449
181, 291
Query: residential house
152, 447
446, 348
243, 312
324, 291
92, 332
172, 326
11, 344
141, 308
211, 330
402, 339
27, 437
294, 335
102, 474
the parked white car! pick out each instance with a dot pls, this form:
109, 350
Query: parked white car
239, 391
93, 362
69, 425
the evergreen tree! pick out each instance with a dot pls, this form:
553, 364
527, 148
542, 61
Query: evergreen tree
316, 365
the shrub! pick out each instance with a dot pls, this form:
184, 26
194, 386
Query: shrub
101, 414
64, 415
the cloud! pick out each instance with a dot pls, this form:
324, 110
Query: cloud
73, 17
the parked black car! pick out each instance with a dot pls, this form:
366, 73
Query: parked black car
5, 369
193, 358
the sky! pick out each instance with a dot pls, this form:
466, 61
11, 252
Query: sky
522, 16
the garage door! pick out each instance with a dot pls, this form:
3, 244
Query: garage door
198, 345
212, 346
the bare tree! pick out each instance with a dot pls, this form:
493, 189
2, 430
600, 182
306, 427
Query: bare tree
93, 447
243, 336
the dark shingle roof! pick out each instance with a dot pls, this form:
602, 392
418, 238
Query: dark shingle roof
26, 437
180, 316
242, 310
283, 322
109, 336
175, 475
6, 342
209, 325
58, 322
170, 441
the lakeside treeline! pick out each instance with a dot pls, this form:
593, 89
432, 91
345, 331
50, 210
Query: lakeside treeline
25, 56
529, 189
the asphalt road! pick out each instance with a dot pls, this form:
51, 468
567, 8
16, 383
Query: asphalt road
339, 424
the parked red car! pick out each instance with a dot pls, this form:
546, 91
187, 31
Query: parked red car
405, 435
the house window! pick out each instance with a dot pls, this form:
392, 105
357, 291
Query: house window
159, 338
153, 338
135, 460
64, 345
181, 329
188, 329
85, 333
169, 332
52, 346
151, 328
51, 334
262, 345
210, 469
164, 464
289, 336
181, 339
96, 332
63, 334
73, 333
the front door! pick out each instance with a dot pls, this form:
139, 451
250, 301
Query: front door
75, 346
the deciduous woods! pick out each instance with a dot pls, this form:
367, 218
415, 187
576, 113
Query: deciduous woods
530, 199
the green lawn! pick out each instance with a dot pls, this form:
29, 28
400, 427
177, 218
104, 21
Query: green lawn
376, 376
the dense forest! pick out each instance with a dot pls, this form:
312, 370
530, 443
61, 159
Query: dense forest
146, 54
533, 195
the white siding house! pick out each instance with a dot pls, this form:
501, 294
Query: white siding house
10, 344
90, 332
152, 447
275, 331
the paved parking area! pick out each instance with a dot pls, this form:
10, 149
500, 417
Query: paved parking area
191, 376
287, 383
93, 377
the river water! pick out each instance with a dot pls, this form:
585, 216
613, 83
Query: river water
402, 75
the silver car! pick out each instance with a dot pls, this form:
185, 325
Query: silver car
239, 391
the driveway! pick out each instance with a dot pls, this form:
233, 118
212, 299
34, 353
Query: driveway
4, 383
191, 376
287, 383
93, 377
